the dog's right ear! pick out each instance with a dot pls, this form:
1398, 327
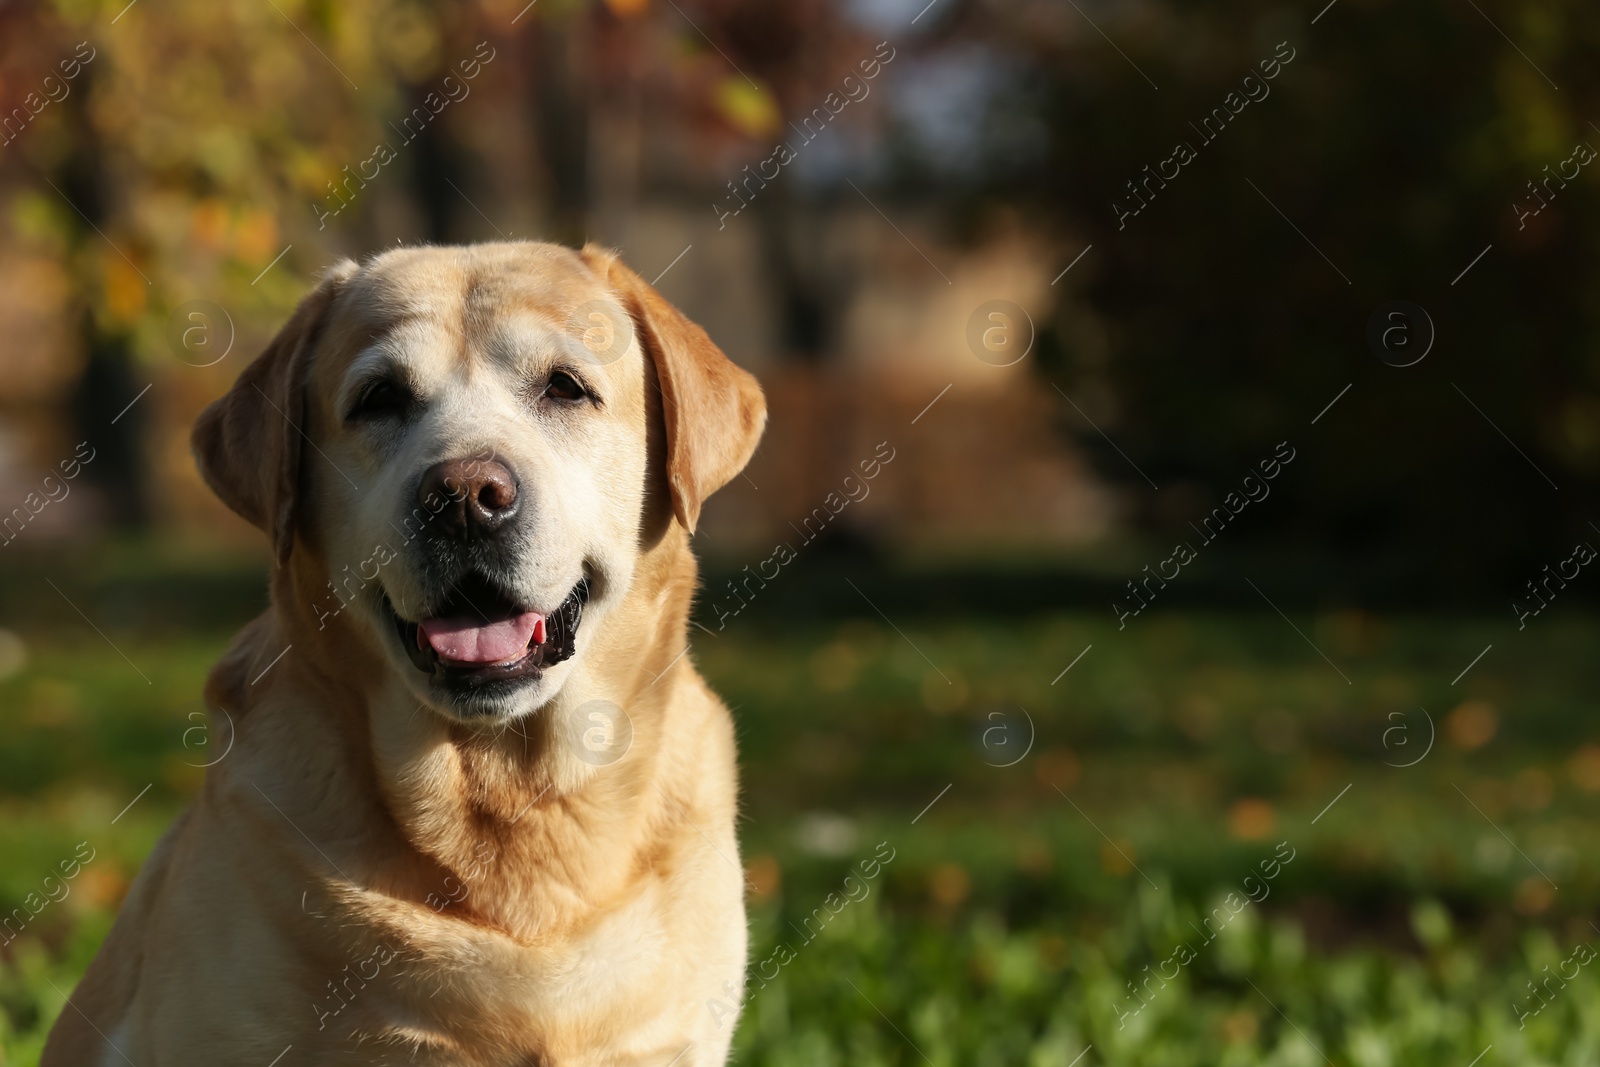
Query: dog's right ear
247, 443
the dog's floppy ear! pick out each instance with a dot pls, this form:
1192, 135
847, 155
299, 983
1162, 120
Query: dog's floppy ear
714, 410
247, 443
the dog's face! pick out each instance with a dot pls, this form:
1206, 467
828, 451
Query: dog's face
489, 431
487, 461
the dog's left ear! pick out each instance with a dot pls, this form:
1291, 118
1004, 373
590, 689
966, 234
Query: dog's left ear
247, 444
713, 408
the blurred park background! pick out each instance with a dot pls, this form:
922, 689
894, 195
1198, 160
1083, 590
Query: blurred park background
960, 233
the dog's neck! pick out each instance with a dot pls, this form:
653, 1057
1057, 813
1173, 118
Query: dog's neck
504, 824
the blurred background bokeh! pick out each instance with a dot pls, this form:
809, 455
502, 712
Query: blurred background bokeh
959, 238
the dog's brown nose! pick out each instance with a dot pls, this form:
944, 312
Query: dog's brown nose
480, 495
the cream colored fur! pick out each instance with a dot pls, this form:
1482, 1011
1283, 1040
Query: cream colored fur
464, 892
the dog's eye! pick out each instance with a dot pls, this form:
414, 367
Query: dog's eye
380, 399
563, 386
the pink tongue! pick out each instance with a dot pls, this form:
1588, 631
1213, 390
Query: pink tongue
464, 639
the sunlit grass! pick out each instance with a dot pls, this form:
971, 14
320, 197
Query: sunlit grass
1162, 768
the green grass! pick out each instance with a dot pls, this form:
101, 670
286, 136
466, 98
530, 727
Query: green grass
1165, 766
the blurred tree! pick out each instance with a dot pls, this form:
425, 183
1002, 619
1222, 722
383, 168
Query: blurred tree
109, 381
1206, 327
562, 102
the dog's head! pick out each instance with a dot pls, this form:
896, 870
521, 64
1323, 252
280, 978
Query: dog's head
474, 446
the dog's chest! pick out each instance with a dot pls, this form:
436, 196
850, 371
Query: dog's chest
617, 990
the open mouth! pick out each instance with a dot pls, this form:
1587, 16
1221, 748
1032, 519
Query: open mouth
480, 635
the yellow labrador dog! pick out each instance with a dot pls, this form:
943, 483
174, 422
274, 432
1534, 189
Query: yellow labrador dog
479, 809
